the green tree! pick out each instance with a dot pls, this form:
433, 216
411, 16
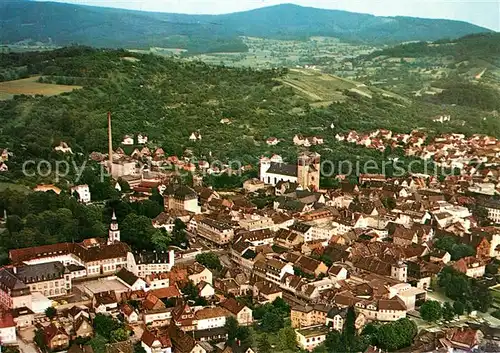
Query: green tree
51, 312
209, 260
287, 338
431, 311
271, 322
232, 328
350, 324
40, 340
448, 311
263, 344
459, 251
104, 325
119, 335
281, 306
458, 307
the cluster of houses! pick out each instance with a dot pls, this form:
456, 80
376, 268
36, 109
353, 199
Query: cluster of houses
380, 139
458, 151
324, 251
474, 155
299, 140
368, 246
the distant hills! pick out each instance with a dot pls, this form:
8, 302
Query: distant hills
64, 24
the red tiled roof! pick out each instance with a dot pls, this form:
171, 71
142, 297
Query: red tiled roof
167, 292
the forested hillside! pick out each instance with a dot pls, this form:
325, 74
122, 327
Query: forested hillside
64, 24
465, 71
485, 46
169, 99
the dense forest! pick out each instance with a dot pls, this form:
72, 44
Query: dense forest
484, 45
65, 24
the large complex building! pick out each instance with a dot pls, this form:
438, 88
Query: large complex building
50, 269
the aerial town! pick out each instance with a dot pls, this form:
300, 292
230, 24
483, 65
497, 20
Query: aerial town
272, 176
309, 267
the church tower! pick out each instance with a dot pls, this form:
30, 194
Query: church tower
308, 170
114, 231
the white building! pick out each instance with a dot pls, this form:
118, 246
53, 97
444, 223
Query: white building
142, 139
181, 198
128, 140
211, 317
7, 329
83, 192
311, 337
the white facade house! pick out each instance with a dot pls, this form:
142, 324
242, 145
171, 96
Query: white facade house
7, 329
311, 337
142, 139
83, 192
128, 140
211, 317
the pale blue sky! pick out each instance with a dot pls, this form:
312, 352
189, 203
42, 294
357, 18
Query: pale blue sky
484, 13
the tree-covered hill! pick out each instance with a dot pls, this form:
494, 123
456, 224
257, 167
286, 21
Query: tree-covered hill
169, 99
64, 24
484, 45
463, 71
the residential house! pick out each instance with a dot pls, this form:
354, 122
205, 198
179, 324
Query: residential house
105, 302
311, 337
336, 318
183, 342
266, 292
144, 263
218, 232
309, 315
272, 269
241, 312
156, 341
470, 266
205, 289
181, 197
55, 337
7, 328
142, 139
130, 280
82, 327
128, 140
199, 273
83, 193
129, 313
211, 317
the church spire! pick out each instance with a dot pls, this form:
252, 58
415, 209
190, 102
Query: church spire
114, 230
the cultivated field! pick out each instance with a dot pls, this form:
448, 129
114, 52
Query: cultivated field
30, 86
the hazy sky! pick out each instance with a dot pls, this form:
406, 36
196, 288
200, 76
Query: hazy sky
485, 13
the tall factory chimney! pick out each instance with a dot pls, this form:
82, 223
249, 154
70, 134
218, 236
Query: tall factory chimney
110, 145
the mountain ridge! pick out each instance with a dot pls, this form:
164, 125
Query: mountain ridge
110, 27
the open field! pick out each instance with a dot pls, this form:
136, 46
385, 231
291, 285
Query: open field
324, 89
30, 86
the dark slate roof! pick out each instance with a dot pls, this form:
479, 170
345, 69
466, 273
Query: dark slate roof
40, 272
249, 254
283, 169
181, 192
9, 281
127, 276
152, 257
